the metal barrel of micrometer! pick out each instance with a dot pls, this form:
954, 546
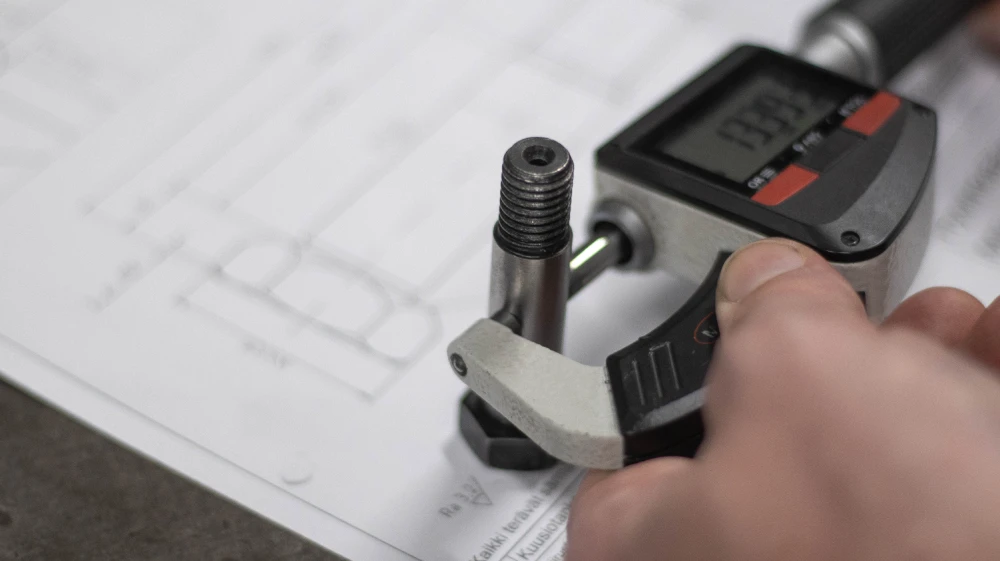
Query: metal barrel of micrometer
532, 242
620, 239
873, 40
602, 252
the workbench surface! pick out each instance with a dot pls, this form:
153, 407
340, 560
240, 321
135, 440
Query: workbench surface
69, 493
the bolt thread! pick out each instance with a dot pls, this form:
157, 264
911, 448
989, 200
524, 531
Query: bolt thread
536, 191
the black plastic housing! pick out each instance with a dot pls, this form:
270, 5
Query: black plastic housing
657, 382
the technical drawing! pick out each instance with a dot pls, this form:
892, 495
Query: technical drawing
288, 295
273, 284
338, 319
60, 82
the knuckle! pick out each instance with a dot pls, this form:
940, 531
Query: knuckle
612, 518
605, 516
947, 296
908, 356
784, 356
779, 340
805, 292
904, 350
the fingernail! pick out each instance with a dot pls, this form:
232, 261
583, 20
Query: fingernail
754, 265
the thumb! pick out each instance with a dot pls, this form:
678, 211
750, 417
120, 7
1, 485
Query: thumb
777, 279
785, 316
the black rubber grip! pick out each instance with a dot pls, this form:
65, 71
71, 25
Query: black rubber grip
655, 382
903, 29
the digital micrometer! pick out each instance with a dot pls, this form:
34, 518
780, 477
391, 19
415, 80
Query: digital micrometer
761, 144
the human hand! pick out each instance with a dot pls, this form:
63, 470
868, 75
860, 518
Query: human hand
828, 438
986, 25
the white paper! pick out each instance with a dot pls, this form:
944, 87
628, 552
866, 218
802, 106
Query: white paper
963, 84
237, 236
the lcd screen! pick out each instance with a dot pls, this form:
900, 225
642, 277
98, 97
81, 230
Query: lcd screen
750, 123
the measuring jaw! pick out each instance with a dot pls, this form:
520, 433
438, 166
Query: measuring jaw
762, 144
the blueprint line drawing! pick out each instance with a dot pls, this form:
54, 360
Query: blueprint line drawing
59, 87
338, 319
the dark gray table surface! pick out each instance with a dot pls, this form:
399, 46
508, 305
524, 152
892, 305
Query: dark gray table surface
69, 493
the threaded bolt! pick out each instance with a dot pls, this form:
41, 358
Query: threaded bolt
536, 191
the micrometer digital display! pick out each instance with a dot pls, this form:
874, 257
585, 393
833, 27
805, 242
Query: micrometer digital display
784, 148
761, 144
745, 120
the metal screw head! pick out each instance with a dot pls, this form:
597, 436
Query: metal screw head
850, 239
536, 193
458, 364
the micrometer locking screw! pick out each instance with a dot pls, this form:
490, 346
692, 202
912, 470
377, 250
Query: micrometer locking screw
536, 192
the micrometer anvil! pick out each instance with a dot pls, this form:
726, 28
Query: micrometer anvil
761, 144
